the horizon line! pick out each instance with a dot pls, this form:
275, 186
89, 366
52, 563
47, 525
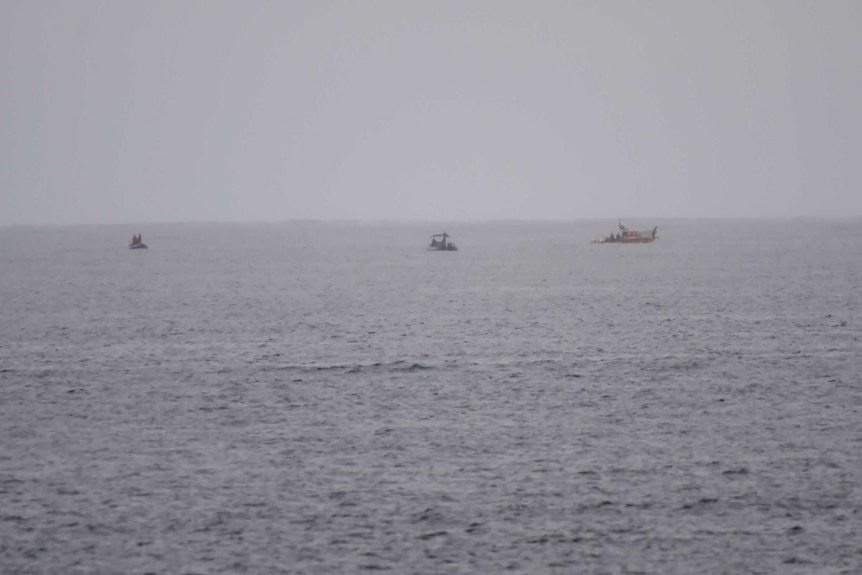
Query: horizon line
414, 221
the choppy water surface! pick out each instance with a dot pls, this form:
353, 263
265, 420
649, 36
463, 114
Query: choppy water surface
333, 398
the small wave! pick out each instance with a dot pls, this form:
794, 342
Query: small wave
351, 368
703, 501
432, 535
416, 367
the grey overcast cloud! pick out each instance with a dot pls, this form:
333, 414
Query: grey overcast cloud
166, 111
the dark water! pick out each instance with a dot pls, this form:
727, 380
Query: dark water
332, 398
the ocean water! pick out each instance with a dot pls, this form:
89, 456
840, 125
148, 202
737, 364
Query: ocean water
333, 398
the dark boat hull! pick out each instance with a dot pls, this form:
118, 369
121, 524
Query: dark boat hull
138, 247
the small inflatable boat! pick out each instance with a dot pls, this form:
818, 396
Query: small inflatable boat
136, 243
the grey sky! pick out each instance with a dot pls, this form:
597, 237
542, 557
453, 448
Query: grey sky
151, 111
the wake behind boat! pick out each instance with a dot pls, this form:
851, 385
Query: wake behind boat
628, 236
137, 244
442, 245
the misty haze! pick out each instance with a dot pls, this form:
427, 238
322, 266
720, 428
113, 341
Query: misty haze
224, 111
430, 287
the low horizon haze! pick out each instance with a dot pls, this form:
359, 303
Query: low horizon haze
449, 111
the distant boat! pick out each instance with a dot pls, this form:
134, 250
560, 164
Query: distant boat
442, 245
628, 236
137, 244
